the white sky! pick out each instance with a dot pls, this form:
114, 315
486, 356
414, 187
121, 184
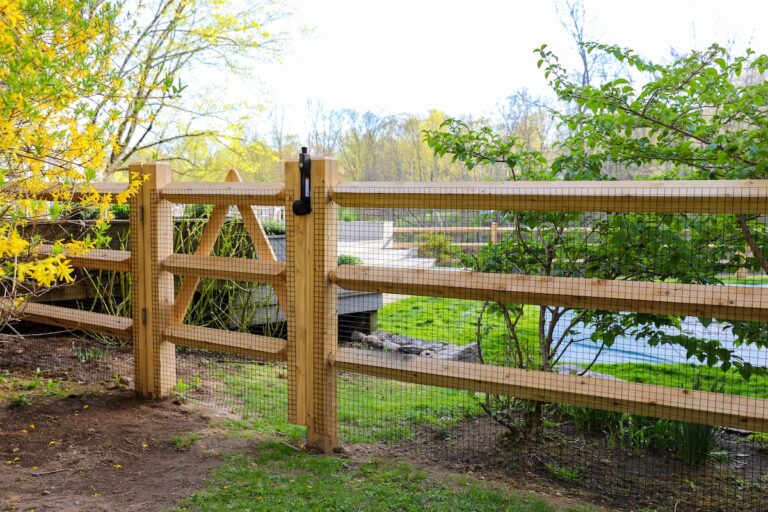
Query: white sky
465, 57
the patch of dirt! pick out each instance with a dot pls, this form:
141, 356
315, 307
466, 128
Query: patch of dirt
78, 360
103, 451
612, 479
79, 470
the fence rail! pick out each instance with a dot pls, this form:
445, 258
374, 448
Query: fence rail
305, 287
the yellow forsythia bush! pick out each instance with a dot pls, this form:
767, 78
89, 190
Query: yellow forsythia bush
56, 79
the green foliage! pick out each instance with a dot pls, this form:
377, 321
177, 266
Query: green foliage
280, 477
698, 117
439, 247
121, 211
370, 410
759, 438
564, 473
272, 227
696, 442
693, 442
88, 354
19, 400
197, 211
455, 320
181, 389
183, 442
346, 259
347, 214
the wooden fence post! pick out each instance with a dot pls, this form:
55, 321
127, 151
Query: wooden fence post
153, 294
494, 232
313, 306
296, 267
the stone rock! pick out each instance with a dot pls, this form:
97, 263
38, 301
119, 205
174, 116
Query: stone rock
390, 342
574, 369
466, 353
373, 341
390, 347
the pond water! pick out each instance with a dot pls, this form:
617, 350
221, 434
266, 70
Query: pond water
630, 350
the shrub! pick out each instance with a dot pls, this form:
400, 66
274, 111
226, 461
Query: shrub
346, 259
440, 248
198, 211
272, 227
121, 211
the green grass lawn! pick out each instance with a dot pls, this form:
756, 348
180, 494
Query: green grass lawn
376, 410
749, 280
370, 410
455, 321
683, 376
279, 477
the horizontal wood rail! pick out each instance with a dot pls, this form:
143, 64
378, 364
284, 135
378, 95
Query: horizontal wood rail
229, 269
416, 245
449, 229
694, 196
704, 301
650, 400
76, 319
227, 193
227, 342
97, 259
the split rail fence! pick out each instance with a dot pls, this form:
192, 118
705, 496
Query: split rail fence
305, 286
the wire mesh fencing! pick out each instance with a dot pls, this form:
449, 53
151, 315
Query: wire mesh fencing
647, 307
608, 339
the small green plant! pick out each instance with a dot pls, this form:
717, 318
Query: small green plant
183, 442
198, 211
121, 211
347, 215
346, 259
695, 442
272, 227
181, 389
759, 438
20, 400
88, 354
564, 472
440, 248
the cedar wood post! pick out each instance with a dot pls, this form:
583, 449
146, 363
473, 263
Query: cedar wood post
153, 294
312, 314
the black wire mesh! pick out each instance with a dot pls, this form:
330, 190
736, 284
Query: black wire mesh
634, 261
415, 317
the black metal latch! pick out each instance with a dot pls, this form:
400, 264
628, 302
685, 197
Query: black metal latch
303, 205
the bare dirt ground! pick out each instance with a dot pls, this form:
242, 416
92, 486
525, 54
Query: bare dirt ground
93, 446
104, 450
566, 469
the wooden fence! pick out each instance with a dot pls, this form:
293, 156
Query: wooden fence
305, 285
